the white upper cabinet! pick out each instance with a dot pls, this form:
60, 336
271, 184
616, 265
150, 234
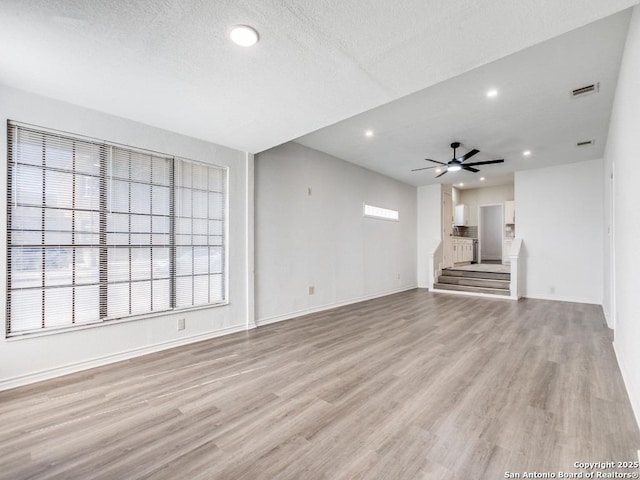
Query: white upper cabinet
461, 217
510, 212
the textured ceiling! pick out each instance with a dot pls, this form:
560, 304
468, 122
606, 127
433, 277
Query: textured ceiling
168, 63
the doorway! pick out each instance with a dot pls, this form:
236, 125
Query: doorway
490, 233
612, 321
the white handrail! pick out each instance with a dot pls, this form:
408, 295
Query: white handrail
435, 263
517, 269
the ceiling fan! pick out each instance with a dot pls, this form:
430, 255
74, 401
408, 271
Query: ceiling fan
457, 163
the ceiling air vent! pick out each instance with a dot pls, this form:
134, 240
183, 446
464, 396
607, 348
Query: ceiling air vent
585, 143
585, 90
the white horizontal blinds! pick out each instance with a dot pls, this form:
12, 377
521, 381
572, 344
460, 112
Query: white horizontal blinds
138, 233
199, 234
53, 230
98, 232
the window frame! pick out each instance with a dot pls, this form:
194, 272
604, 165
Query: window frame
105, 177
380, 213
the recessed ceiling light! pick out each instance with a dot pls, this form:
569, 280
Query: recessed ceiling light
369, 133
492, 93
526, 153
438, 170
461, 184
244, 35
482, 179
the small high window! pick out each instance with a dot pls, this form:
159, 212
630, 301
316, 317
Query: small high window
379, 212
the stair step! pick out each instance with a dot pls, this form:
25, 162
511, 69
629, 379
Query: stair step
466, 288
474, 282
476, 274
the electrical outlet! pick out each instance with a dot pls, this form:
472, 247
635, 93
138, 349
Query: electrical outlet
552, 290
181, 324
312, 290
309, 191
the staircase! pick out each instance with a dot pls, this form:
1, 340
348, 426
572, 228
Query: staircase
472, 281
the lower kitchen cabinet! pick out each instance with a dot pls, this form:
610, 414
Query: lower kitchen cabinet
462, 250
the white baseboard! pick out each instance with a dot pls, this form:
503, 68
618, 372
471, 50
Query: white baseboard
635, 402
48, 374
563, 299
322, 308
607, 317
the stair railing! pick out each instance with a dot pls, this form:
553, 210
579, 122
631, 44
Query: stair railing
517, 269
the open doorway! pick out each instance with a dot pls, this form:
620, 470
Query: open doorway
490, 232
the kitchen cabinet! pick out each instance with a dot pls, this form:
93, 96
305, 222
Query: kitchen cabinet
461, 216
509, 212
468, 251
462, 250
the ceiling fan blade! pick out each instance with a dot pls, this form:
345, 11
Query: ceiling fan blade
442, 174
470, 169
484, 163
434, 161
468, 155
423, 168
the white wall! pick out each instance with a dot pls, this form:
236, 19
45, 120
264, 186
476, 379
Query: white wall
456, 196
24, 360
429, 228
485, 196
607, 239
560, 220
323, 240
622, 152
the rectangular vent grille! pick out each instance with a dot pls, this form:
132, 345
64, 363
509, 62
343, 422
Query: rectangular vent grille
587, 89
585, 143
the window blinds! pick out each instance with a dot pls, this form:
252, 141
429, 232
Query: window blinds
99, 231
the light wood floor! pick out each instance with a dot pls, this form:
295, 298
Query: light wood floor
409, 386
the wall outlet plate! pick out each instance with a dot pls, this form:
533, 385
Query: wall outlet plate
181, 324
312, 290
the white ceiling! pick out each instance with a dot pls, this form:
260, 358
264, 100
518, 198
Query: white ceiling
169, 63
532, 111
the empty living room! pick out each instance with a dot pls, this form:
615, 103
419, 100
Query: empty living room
320, 240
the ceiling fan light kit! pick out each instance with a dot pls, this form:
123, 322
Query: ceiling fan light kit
457, 163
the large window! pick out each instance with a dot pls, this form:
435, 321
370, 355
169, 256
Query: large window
99, 232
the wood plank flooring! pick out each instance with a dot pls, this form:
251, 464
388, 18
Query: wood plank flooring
409, 386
